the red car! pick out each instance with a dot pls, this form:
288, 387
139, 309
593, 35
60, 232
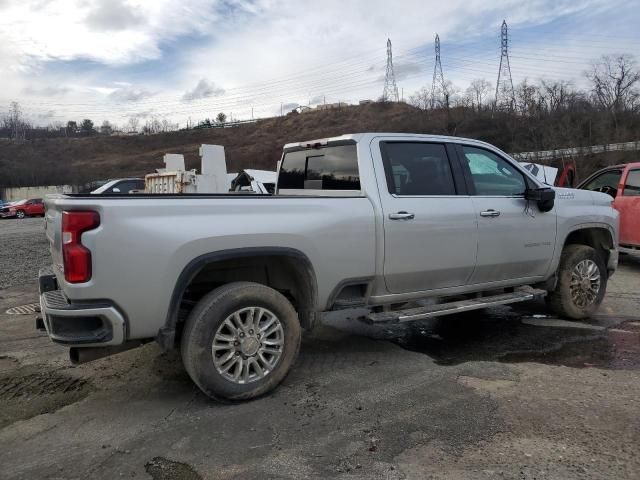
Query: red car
622, 182
23, 208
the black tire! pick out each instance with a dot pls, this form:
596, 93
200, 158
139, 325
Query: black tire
207, 318
21, 214
561, 300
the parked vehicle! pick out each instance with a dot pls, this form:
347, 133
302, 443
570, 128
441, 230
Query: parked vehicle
23, 208
562, 175
379, 221
121, 185
622, 182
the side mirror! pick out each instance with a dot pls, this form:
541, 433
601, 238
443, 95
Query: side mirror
544, 197
115, 190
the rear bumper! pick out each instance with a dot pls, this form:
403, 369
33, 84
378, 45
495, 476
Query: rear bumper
90, 324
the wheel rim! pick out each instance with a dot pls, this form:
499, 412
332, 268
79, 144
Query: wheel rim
585, 283
248, 345
20, 214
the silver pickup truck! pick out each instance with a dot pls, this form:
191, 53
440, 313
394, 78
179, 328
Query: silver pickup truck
407, 226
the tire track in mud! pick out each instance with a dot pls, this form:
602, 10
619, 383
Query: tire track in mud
26, 392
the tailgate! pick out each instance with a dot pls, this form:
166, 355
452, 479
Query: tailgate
53, 230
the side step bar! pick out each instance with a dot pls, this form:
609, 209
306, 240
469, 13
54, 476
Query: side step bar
420, 313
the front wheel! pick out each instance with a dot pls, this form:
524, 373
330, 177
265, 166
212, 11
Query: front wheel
20, 214
240, 341
582, 283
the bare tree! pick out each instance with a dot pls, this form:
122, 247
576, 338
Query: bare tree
106, 128
132, 124
527, 98
14, 122
614, 84
478, 91
556, 94
421, 99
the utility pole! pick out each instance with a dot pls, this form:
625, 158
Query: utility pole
439, 94
505, 96
390, 92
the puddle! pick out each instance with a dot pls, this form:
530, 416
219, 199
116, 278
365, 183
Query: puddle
161, 468
492, 337
510, 335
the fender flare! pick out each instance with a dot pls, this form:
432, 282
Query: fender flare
574, 228
166, 335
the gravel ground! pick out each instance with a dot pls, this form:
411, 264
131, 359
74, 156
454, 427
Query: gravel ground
23, 251
501, 393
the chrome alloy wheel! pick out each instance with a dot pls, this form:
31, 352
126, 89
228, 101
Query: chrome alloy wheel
248, 345
585, 283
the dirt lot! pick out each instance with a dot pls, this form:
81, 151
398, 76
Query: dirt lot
505, 393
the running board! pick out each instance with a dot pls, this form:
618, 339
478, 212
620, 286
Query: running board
420, 313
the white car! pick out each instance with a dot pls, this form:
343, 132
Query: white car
121, 185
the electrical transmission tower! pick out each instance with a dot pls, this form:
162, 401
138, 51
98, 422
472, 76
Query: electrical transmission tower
505, 97
439, 94
390, 92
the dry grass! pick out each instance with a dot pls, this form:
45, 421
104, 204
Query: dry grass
259, 145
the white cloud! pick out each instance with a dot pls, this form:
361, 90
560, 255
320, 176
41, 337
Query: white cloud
107, 31
203, 89
45, 91
113, 15
264, 52
129, 94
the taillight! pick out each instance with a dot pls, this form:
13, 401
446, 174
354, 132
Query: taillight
76, 257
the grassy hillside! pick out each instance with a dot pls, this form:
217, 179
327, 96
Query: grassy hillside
78, 160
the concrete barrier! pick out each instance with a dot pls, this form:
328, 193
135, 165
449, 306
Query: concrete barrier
21, 193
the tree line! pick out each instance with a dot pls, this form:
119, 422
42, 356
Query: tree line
15, 125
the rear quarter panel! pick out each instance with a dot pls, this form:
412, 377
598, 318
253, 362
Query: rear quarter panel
142, 245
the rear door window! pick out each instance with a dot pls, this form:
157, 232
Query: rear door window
417, 169
329, 168
632, 187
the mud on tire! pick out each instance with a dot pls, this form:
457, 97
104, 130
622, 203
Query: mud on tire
240, 341
581, 270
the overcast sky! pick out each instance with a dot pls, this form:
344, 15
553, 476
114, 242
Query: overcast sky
113, 59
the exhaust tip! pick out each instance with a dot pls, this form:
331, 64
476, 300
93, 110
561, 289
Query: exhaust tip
80, 355
74, 355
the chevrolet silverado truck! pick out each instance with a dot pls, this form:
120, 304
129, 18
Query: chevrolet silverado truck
401, 226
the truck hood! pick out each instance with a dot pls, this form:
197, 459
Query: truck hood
583, 197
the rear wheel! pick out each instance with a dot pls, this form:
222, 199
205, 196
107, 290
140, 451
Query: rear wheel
20, 214
240, 341
582, 283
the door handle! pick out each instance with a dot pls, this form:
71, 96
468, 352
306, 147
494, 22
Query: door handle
401, 216
490, 213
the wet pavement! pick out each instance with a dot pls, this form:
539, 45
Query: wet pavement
525, 332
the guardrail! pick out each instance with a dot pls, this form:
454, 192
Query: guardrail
569, 152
